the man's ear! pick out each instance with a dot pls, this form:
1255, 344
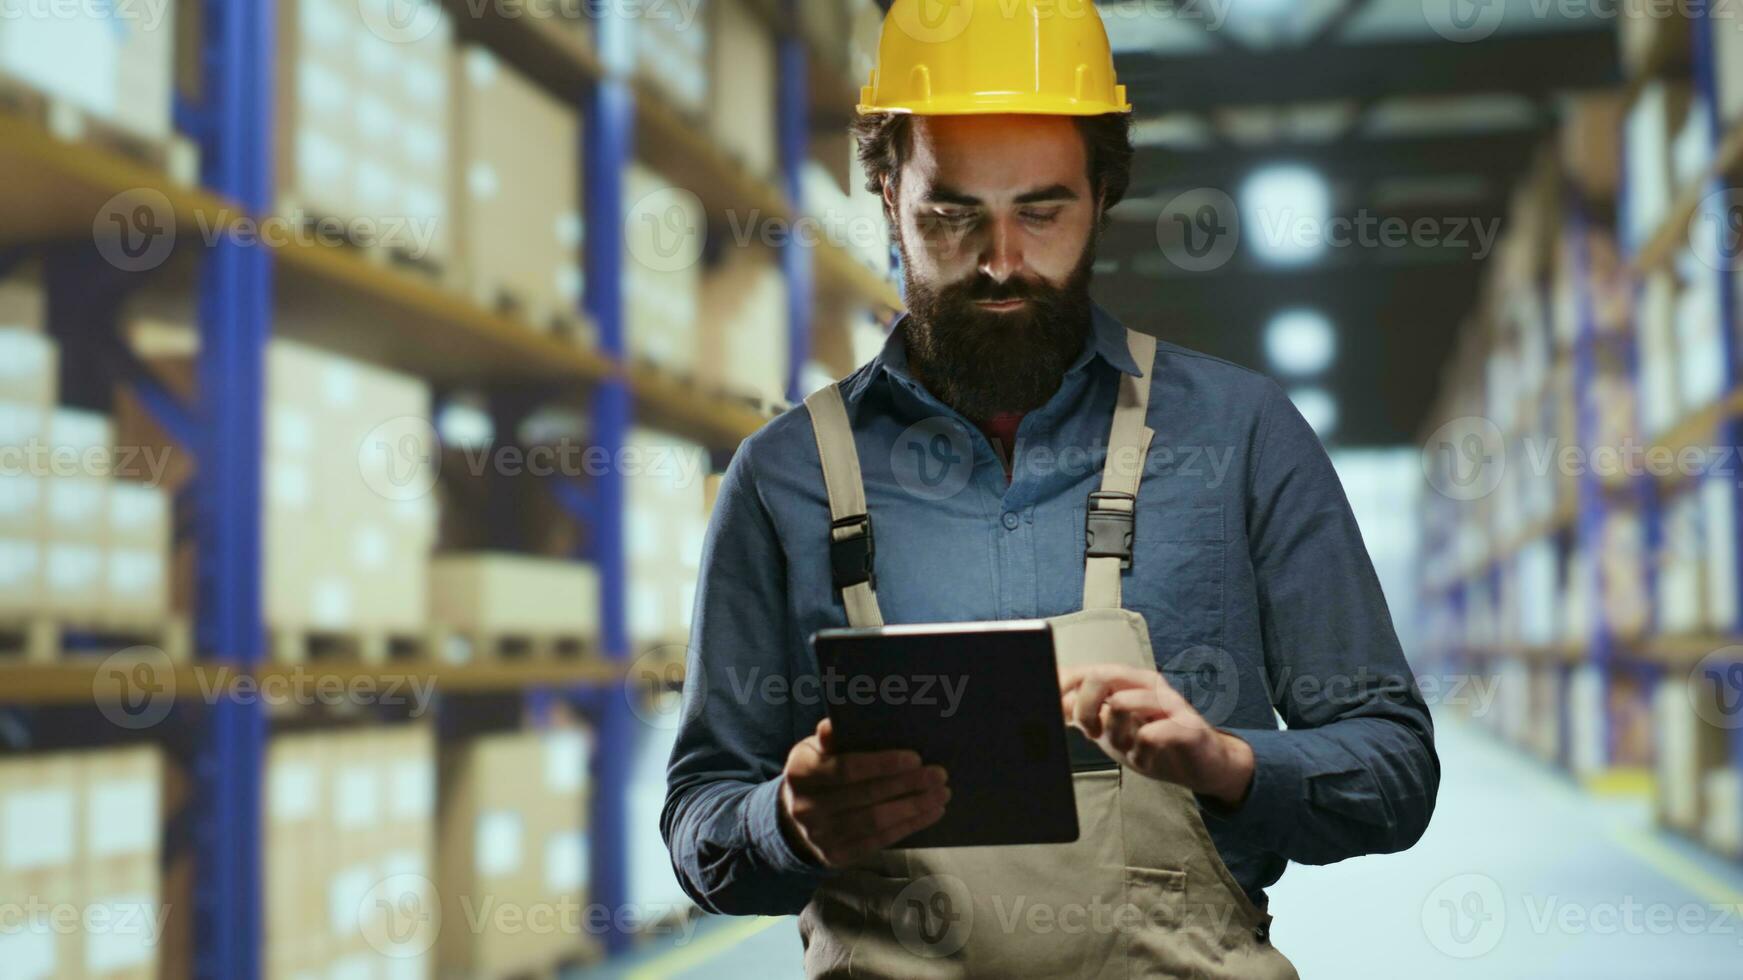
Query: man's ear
889, 196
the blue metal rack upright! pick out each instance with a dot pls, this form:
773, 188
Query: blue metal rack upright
608, 127
235, 314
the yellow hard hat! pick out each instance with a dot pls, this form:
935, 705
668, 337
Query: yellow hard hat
969, 57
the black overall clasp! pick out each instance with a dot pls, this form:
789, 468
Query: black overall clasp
1108, 530
850, 554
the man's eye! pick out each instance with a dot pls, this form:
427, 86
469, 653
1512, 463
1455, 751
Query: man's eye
955, 219
1039, 217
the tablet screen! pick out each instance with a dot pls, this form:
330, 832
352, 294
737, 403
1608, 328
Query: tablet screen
979, 699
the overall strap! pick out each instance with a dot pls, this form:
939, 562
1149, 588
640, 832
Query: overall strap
850, 530
1112, 512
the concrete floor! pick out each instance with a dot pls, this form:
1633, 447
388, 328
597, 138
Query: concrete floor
1521, 875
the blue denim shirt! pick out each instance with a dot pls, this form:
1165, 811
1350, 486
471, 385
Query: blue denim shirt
1249, 570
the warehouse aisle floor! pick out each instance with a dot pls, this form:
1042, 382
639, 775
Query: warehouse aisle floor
1521, 875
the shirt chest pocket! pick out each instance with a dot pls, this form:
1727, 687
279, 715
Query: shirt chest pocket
1176, 578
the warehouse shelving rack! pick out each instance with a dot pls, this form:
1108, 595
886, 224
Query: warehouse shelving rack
1654, 657
53, 190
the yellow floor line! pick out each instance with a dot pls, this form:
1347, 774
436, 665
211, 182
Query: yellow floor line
1668, 862
676, 961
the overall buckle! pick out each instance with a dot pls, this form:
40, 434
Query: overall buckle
1108, 530
850, 554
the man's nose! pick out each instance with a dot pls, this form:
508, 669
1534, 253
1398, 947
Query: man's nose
1002, 256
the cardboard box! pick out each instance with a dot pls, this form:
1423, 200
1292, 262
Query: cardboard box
40, 814
347, 534
364, 138
741, 111
1591, 143
29, 363
512, 594
662, 279
23, 306
513, 810
516, 183
745, 345
1658, 112
114, 62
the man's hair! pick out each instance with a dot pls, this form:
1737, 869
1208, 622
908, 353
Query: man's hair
883, 139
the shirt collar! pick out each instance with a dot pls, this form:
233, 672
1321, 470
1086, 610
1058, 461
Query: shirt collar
1107, 340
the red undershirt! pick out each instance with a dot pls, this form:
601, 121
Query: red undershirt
1001, 429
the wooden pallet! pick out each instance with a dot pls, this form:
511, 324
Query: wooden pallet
540, 315
47, 639
176, 155
297, 645
390, 255
471, 646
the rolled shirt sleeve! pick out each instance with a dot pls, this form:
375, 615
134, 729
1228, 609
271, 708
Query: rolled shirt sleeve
724, 779
1355, 772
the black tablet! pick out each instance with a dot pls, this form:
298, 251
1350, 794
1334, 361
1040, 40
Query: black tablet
979, 699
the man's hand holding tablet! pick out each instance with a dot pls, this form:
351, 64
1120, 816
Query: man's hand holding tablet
840, 807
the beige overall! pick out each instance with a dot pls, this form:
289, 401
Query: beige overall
1142, 892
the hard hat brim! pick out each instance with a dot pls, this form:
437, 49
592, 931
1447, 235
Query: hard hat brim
980, 104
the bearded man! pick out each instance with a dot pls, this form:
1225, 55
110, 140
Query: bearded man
1019, 454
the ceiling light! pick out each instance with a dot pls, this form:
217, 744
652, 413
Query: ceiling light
1284, 209
1300, 342
1319, 408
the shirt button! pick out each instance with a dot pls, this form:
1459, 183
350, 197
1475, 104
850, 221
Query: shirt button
1010, 522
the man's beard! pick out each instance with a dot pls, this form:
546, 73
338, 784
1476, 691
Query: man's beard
984, 364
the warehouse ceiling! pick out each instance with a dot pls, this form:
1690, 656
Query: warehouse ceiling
1408, 114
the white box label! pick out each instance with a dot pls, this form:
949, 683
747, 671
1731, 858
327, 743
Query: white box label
566, 862
496, 843
40, 829
356, 798
122, 818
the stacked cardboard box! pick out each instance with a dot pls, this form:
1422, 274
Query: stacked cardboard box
1657, 114
1687, 749
363, 102
672, 53
1723, 796
350, 519
74, 541
79, 840
1660, 402
1700, 354
350, 830
515, 595
665, 523
741, 109
1727, 55
517, 182
662, 272
852, 217
744, 347
114, 61
514, 852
